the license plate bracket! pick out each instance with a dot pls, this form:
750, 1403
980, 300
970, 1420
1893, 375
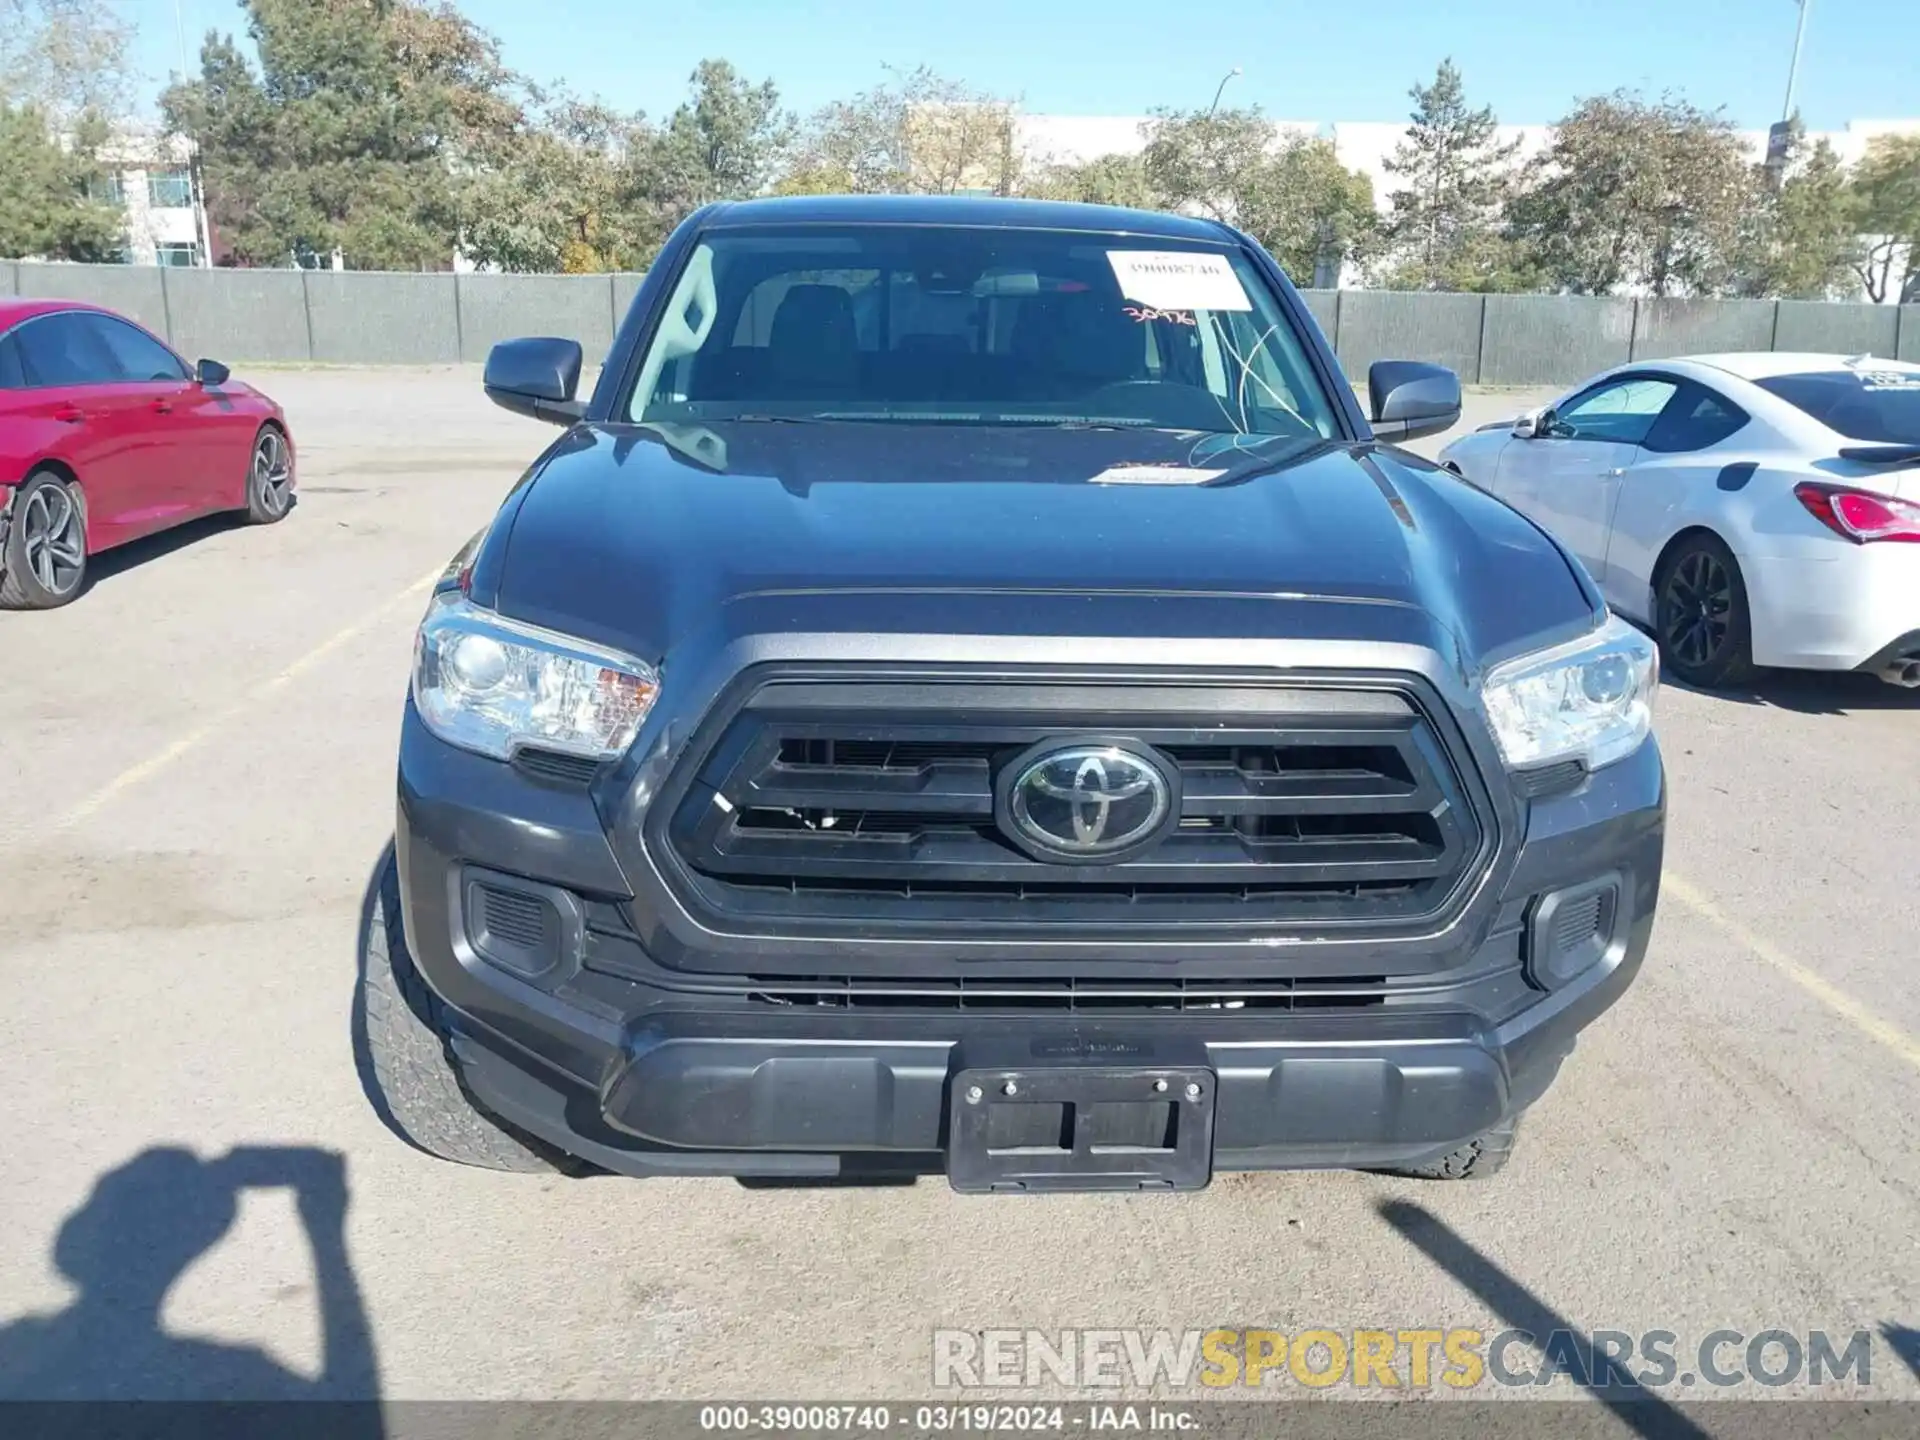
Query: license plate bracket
1080, 1127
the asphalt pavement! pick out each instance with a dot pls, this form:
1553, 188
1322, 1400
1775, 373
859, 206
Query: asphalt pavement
196, 774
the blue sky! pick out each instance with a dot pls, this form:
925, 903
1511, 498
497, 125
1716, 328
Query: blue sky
1301, 59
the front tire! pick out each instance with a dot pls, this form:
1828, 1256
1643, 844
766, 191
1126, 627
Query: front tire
403, 1025
45, 565
269, 478
1701, 616
1483, 1156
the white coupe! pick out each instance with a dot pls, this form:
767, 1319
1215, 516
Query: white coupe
1750, 510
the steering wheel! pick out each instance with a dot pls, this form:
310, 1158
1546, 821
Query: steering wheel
1170, 402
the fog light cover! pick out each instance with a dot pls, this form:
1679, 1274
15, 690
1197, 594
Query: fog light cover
1572, 931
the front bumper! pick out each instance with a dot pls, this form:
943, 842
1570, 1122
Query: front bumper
647, 1070
708, 1095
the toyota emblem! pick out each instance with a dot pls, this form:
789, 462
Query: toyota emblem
1087, 802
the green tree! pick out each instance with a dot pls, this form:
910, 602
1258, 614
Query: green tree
856, 146
65, 57
726, 141
1885, 194
1105, 180
1799, 234
1444, 230
1638, 192
63, 73
919, 133
814, 177
50, 205
1290, 192
358, 132
562, 196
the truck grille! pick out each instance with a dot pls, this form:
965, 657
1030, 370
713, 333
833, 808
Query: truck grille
816, 803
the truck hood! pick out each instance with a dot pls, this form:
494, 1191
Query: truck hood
641, 536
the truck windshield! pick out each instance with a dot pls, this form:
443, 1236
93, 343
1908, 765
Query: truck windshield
954, 325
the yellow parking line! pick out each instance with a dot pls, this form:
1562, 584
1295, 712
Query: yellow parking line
155, 763
1906, 1046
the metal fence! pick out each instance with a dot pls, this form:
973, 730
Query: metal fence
368, 318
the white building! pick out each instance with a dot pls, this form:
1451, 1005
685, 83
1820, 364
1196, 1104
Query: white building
149, 177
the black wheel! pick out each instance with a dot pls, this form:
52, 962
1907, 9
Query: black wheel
269, 478
419, 1093
45, 564
1701, 617
1480, 1157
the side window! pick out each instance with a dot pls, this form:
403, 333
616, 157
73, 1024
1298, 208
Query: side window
12, 377
61, 349
1622, 411
1695, 419
137, 356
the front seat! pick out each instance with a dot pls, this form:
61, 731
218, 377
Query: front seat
813, 345
1074, 343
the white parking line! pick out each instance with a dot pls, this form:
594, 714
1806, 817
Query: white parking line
194, 738
1906, 1046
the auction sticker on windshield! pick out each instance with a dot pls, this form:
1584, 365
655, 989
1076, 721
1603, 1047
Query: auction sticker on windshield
1178, 280
1155, 475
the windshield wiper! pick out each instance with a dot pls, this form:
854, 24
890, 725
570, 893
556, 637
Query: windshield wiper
1056, 422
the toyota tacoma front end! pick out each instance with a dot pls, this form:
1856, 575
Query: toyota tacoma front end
972, 693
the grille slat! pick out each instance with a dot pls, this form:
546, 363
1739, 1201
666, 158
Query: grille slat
875, 803
1235, 792
943, 788
889, 841
1068, 994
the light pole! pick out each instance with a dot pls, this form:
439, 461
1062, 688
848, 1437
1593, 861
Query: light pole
1780, 133
1220, 87
1793, 70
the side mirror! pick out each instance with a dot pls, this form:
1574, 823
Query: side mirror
536, 377
1410, 399
211, 372
1541, 424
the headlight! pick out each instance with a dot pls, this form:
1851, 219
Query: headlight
1589, 700
493, 685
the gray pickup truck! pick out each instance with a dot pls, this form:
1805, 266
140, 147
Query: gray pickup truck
973, 693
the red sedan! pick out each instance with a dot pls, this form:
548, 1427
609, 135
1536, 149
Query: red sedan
107, 435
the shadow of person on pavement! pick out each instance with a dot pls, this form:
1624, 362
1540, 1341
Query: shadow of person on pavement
1591, 1368
139, 1231
1906, 1345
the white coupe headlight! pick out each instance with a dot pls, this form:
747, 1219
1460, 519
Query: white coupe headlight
493, 685
1590, 699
